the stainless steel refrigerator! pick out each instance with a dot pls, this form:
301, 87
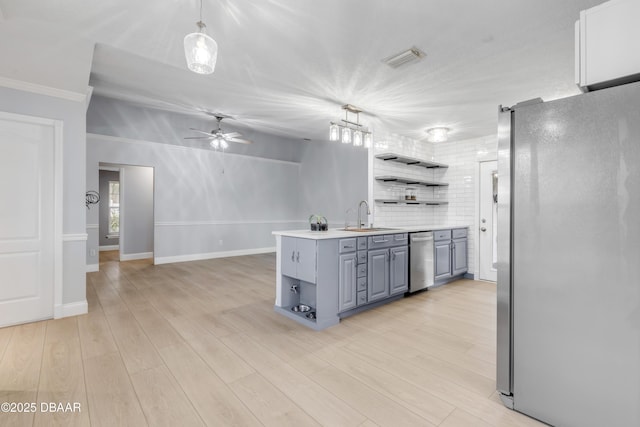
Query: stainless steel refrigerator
569, 258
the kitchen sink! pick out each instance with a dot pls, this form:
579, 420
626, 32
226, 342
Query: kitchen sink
365, 230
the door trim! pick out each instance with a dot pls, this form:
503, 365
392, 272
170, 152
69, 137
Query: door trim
477, 213
57, 125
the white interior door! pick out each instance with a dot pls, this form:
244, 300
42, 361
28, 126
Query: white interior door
488, 220
27, 218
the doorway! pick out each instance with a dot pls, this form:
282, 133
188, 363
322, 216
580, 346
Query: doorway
488, 221
126, 223
30, 218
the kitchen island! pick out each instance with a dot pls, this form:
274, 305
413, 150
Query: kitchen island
323, 276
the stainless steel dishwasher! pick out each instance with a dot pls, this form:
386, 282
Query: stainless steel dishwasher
420, 261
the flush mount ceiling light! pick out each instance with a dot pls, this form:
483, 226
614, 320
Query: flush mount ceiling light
405, 57
200, 50
349, 131
439, 134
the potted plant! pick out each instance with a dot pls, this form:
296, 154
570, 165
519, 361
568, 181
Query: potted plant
318, 223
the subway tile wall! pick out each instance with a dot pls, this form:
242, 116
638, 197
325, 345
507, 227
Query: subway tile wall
399, 215
462, 175
463, 158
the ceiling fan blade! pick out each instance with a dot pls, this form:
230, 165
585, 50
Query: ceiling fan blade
199, 137
240, 141
231, 135
202, 132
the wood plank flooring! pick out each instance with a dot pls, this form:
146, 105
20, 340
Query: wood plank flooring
198, 343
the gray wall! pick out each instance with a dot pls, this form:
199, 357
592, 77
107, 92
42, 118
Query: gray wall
105, 177
136, 220
209, 203
72, 113
333, 179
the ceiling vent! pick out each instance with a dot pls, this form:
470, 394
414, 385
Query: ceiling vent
405, 57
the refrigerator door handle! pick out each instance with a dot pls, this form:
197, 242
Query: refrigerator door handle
504, 351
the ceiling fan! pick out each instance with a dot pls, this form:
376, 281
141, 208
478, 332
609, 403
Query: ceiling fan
219, 139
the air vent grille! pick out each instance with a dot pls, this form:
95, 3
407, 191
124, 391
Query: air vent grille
405, 57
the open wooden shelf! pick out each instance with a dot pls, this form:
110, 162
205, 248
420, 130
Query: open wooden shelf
410, 181
412, 202
410, 161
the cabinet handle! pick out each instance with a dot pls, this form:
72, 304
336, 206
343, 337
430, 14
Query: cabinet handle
394, 256
348, 247
293, 254
298, 257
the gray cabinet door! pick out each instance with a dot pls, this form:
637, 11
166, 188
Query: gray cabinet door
378, 274
348, 282
398, 270
306, 260
460, 262
299, 258
442, 259
288, 251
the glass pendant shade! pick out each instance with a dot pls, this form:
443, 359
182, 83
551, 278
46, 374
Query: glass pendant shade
201, 51
224, 144
214, 143
346, 136
368, 140
334, 132
357, 138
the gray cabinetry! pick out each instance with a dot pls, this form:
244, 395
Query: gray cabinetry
299, 258
450, 253
442, 259
459, 256
398, 270
347, 297
378, 274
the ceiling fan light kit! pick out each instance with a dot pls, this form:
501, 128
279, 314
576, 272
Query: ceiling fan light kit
217, 138
200, 50
349, 131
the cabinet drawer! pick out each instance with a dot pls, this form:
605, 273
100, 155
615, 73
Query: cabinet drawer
362, 298
381, 241
442, 235
459, 232
362, 243
362, 257
400, 239
362, 270
347, 245
362, 284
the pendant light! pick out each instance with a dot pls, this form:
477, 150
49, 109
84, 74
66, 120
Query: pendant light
200, 50
334, 132
350, 131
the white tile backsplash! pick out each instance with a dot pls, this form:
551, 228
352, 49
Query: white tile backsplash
463, 158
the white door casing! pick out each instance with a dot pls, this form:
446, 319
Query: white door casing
487, 221
30, 218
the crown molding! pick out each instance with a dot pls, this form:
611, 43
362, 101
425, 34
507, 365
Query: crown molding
45, 90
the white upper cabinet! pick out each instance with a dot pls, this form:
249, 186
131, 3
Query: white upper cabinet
607, 38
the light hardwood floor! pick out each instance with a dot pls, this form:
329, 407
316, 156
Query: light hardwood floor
199, 344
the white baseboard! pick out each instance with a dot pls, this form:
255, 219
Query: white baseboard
92, 268
133, 257
71, 309
211, 255
109, 248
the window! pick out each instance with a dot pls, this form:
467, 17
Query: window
114, 207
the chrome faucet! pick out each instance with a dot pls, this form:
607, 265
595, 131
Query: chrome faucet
360, 223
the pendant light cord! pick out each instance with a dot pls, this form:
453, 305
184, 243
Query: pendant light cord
200, 10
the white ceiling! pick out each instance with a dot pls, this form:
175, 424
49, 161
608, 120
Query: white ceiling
286, 66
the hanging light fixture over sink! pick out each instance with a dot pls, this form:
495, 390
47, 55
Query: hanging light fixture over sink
349, 131
200, 49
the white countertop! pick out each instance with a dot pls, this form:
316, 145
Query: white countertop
336, 233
